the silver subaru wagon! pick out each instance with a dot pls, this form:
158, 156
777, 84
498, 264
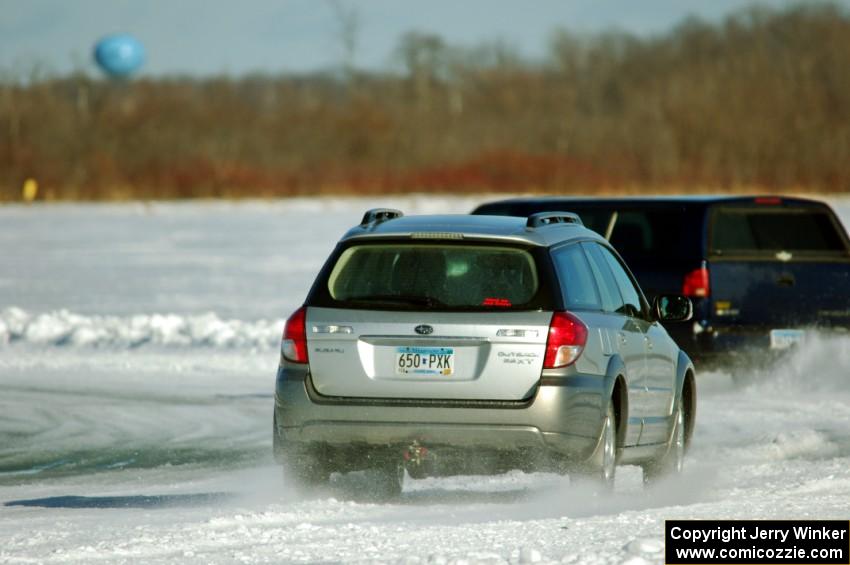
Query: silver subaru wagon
452, 344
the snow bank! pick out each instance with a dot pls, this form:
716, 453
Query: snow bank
64, 328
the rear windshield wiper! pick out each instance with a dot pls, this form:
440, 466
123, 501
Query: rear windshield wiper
408, 299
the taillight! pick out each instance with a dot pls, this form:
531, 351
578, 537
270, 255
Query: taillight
695, 284
294, 346
567, 338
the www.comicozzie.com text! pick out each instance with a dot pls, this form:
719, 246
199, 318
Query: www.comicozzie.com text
756, 532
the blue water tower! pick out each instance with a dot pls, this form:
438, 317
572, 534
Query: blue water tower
120, 55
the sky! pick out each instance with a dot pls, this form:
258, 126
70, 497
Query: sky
236, 37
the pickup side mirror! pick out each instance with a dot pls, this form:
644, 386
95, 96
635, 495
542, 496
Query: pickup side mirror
672, 308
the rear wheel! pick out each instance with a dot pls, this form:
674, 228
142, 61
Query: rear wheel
389, 480
301, 466
673, 460
602, 467
305, 470
381, 481
609, 449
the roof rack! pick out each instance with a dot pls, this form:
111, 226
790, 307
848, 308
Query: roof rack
543, 219
379, 215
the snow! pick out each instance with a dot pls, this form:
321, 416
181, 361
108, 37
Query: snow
138, 345
64, 328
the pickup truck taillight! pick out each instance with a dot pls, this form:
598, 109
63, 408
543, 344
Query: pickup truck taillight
695, 284
567, 338
294, 346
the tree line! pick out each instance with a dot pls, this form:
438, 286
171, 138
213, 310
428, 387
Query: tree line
760, 100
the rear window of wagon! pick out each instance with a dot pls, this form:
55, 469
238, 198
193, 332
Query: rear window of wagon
434, 276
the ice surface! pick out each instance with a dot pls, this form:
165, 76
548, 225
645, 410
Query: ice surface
138, 345
245, 260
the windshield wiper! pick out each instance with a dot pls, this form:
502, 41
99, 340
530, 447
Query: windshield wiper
409, 299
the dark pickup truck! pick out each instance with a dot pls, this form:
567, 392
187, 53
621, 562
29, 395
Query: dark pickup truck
762, 271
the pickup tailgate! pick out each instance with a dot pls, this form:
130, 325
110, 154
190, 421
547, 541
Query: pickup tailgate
775, 294
785, 264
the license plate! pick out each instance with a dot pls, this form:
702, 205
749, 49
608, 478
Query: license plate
424, 360
783, 339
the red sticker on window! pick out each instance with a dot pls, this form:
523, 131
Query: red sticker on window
503, 302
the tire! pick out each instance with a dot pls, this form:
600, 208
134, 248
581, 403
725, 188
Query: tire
305, 470
602, 467
379, 483
673, 460
389, 480
302, 467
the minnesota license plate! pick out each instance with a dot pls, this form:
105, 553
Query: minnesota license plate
424, 360
783, 339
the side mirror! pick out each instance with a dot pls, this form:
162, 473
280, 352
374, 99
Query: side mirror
672, 308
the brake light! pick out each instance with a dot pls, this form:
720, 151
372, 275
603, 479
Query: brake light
768, 200
695, 284
294, 346
567, 338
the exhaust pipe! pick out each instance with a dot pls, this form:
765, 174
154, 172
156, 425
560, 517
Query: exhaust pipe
419, 461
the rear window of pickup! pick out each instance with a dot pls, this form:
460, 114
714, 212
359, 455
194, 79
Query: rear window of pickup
649, 235
754, 231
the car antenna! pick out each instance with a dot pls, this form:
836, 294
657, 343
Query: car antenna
611, 223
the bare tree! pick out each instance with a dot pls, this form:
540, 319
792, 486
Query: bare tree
424, 58
758, 100
347, 21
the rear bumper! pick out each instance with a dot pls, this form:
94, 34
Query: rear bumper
734, 344
564, 419
702, 341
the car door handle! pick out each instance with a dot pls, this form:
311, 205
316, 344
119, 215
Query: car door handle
648, 342
622, 336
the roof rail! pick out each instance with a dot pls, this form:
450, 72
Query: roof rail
379, 215
543, 219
